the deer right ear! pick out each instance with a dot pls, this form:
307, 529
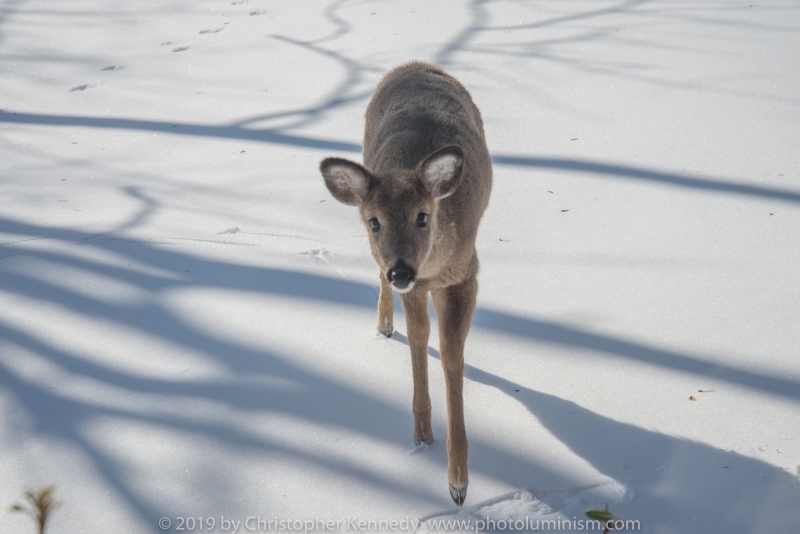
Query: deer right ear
348, 182
440, 172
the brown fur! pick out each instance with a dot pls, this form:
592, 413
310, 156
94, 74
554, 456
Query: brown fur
424, 154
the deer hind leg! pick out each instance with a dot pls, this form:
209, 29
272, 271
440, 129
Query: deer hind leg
454, 307
415, 305
385, 308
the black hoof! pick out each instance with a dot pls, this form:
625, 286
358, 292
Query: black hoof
425, 441
387, 333
458, 495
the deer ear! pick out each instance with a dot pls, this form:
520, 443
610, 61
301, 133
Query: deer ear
440, 172
348, 182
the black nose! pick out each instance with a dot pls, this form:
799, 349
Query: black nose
401, 275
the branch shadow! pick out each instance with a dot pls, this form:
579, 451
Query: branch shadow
275, 136
600, 25
587, 434
348, 92
254, 381
671, 482
63, 417
616, 171
299, 285
249, 387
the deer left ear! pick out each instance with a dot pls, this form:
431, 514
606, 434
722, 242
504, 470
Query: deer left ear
440, 172
347, 181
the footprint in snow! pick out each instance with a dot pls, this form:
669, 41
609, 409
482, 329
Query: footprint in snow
323, 255
114, 67
79, 88
417, 448
203, 32
259, 12
233, 230
533, 505
181, 49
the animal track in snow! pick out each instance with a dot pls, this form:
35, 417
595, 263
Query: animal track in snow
534, 504
79, 88
181, 49
316, 253
258, 12
322, 255
422, 447
203, 32
114, 67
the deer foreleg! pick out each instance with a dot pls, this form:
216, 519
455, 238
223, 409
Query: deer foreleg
454, 307
415, 305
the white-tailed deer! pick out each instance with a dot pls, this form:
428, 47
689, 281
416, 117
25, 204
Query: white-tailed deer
421, 192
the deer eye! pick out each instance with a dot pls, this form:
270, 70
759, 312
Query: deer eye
422, 220
374, 225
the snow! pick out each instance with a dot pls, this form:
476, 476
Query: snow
187, 317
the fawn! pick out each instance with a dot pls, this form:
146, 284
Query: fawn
421, 192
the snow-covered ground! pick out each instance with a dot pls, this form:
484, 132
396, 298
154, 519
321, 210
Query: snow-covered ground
187, 316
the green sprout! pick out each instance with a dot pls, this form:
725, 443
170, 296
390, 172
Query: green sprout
603, 516
599, 515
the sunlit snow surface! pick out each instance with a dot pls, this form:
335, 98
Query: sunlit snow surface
187, 317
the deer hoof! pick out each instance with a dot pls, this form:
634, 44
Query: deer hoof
387, 333
458, 494
426, 441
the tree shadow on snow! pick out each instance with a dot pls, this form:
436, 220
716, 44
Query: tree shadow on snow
357, 82
278, 136
670, 480
247, 385
314, 398
673, 483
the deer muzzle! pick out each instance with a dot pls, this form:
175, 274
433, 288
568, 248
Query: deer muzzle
401, 276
